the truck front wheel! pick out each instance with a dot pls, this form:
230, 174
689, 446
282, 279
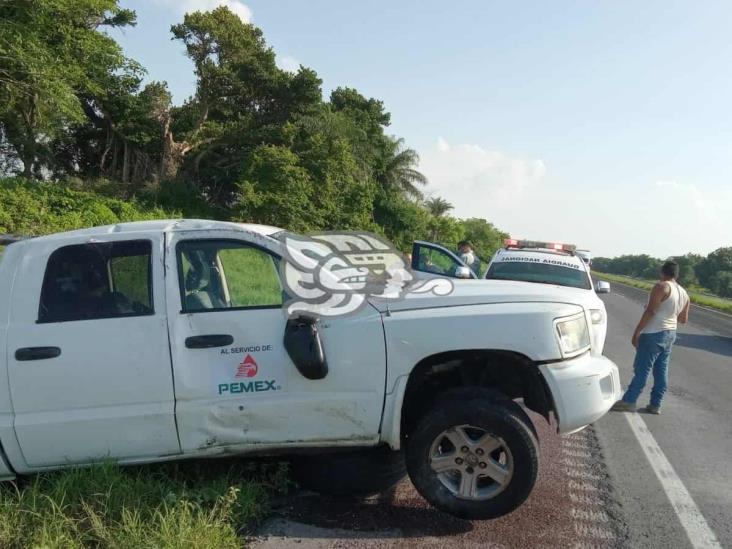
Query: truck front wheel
472, 456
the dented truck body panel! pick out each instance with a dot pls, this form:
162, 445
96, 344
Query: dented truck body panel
219, 403
415, 334
175, 382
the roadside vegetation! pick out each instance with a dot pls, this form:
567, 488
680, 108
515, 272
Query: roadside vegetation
708, 276
30, 207
699, 298
191, 504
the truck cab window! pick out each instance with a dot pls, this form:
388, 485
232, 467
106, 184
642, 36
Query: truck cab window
91, 281
225, 274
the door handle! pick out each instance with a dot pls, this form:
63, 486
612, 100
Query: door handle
36, 353
209, 341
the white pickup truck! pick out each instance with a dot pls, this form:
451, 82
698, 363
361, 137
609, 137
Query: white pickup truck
165, 340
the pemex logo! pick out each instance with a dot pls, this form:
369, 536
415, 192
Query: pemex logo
248, 367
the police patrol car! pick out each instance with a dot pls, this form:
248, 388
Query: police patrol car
558, 265
548, 263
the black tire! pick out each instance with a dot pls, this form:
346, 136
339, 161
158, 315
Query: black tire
482, 410
474, 392
361, 472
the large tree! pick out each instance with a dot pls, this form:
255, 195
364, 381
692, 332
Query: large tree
484, 236
709, 269
438, 206
52, 55
400, 172
252, 142
242, 99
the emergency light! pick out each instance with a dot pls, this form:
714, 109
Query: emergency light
513, 243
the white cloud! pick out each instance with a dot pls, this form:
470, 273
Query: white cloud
287, 63
236, 6
519, 195
474, 179
692, 197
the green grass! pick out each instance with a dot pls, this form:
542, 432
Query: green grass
36, 208
187, 505
251, 276
697, 297
130, 276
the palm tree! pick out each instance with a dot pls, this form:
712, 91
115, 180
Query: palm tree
438, 206
399, 173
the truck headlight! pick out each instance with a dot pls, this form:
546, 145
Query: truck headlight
597, 316
573, 334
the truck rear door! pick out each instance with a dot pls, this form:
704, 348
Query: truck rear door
88, 356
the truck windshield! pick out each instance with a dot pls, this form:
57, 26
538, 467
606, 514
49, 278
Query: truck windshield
542, 273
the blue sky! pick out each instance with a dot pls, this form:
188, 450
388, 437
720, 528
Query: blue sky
605, 124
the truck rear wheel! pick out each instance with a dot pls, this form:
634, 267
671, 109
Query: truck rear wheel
473, 456
360, 472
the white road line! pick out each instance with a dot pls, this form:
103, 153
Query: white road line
699, 533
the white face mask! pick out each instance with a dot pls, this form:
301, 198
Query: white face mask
468, 258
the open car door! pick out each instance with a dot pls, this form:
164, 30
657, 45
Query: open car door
432, 259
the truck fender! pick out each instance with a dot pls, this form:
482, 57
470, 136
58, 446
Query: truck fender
391, 424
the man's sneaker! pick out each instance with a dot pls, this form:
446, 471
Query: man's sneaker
622, 406
650, 409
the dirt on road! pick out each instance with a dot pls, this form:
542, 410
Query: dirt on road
572, 505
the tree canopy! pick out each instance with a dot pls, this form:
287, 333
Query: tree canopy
713, 272
252, 143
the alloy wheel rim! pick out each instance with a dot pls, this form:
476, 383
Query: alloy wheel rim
471, 463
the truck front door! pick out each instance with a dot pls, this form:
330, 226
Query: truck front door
89, 365
236, 386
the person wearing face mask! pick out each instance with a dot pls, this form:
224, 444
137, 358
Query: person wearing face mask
467, 255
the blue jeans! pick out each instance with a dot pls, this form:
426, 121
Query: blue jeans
654, 353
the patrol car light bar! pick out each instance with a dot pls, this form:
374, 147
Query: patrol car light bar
513, 243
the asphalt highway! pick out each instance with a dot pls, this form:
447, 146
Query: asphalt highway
631, 480
694, 430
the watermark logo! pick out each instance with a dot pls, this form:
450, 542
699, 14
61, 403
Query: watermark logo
333, 274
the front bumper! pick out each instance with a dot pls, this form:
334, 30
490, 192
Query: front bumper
583, 389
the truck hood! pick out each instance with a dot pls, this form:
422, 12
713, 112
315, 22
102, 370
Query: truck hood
480, 292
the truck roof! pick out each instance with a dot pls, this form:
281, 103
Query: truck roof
164, 226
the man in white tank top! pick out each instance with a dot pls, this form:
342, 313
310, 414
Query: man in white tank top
653, 339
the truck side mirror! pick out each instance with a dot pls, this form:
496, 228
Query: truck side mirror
303, 345
602, 287
462, 272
